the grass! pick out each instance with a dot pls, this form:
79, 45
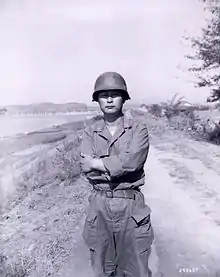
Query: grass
41, 217
66, 160
20, 266
39, 223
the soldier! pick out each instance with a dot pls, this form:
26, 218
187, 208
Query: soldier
117, 228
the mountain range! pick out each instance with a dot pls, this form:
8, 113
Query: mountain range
42, 108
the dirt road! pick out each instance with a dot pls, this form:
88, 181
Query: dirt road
183, 191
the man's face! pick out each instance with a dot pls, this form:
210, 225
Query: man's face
110, 102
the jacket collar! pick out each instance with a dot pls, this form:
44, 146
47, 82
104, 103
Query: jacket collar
100, 125
102, 130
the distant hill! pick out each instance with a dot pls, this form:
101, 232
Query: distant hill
3, 110
44, 108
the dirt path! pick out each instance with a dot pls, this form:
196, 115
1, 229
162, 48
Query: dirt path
183, 191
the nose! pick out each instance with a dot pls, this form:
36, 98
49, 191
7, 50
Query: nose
109, 99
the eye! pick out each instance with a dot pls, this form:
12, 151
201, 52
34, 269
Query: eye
116, 95
103, 95
112, 95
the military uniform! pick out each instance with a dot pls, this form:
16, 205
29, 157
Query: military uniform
118, 229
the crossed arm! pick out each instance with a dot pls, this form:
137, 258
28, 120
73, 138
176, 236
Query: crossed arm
89, 164
127, 161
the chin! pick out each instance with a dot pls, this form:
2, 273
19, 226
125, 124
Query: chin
110, 112
113, 112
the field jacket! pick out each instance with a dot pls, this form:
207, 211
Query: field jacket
123, 154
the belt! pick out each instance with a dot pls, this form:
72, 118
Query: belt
122, 193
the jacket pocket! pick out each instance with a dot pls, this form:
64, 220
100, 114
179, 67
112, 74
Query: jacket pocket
102, 152
101, 147
90, 230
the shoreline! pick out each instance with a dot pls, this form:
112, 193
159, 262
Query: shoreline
23, 152
48, 135
13, 126
43, 114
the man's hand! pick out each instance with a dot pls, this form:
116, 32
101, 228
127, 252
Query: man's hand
88, 164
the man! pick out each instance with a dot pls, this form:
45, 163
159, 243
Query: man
117, 229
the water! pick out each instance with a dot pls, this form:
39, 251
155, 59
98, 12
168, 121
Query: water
10, 125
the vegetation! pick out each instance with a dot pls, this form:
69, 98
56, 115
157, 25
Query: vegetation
43, 214
175, 114
207, 53
66, 160
174, 106
47, 208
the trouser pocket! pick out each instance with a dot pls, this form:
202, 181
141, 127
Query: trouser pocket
90, 230
143, 231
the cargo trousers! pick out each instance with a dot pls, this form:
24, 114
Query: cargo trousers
119, 235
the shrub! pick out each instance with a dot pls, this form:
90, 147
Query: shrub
67, 160
155, 109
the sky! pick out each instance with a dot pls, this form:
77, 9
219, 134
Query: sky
53, 50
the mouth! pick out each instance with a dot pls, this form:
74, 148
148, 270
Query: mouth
109, 107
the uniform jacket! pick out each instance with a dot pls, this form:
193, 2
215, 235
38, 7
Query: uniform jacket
123, 154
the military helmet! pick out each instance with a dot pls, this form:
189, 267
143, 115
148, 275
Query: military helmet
110, 81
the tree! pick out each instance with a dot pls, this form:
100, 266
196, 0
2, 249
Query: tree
208, 52
173, 106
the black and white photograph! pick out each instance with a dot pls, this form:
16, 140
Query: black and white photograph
110, 138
